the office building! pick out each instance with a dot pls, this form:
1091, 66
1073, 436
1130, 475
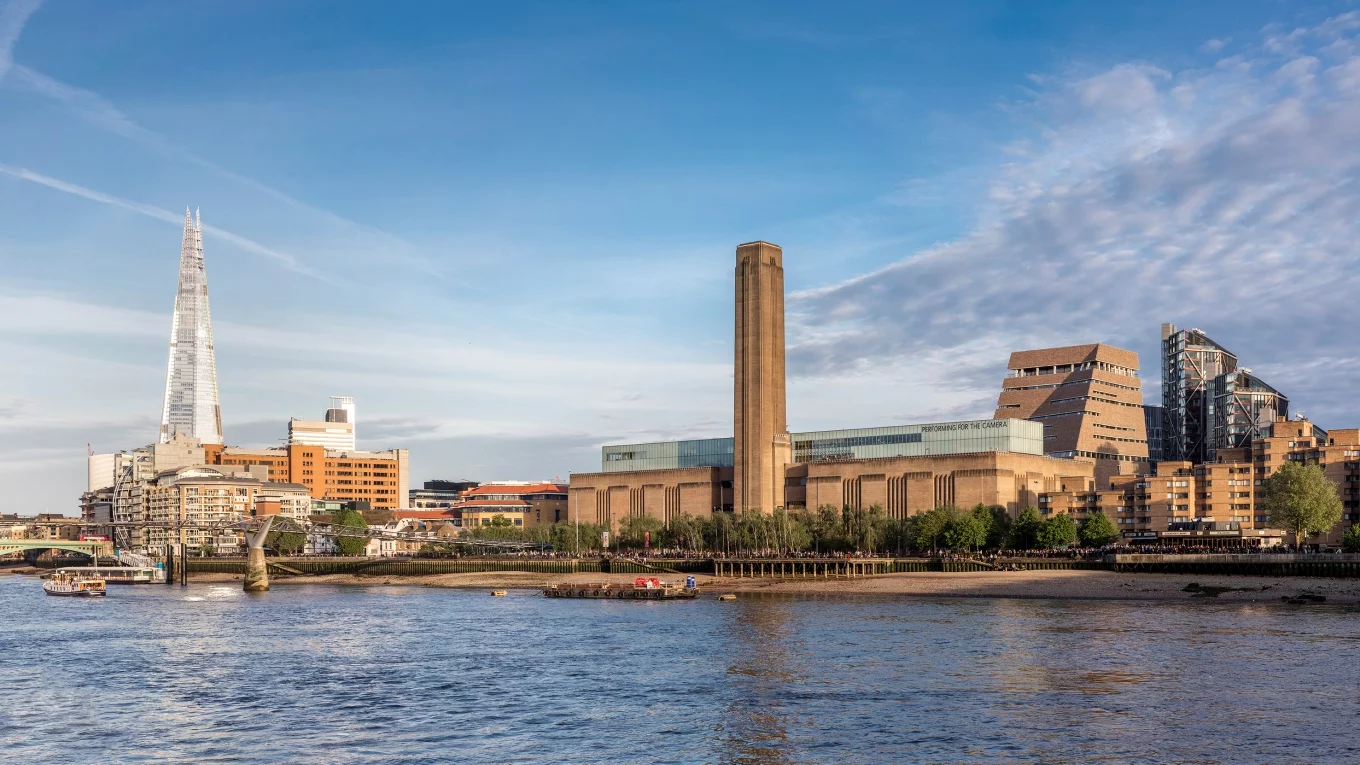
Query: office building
335, 431
516, 503
379, 478
1089, 399
191, 406
438, 495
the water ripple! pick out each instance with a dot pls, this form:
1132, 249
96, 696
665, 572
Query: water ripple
395, 675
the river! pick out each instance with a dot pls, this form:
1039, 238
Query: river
334, 674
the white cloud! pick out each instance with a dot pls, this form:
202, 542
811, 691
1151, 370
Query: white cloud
1223, 198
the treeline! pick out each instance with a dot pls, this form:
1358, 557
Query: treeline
824, 530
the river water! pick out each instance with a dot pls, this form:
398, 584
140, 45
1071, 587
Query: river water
329, 674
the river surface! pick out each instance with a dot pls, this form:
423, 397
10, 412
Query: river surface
332, 674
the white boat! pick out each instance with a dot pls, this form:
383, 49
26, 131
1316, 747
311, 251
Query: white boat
72, 585
120, 574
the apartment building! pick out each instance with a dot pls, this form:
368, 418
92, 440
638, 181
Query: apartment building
1221, 500
201, 496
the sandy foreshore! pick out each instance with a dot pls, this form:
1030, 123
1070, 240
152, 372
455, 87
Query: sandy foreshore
1072, 585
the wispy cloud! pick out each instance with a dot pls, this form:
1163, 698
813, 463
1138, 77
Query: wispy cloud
13, 16
1221, 197
96, 110
249, 245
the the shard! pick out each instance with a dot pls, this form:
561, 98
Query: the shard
191, 407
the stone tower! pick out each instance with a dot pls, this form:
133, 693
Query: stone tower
760, 422
191, 407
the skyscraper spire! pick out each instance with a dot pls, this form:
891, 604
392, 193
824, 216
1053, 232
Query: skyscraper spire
191, 407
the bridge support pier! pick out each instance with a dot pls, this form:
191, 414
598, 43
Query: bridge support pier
257, 571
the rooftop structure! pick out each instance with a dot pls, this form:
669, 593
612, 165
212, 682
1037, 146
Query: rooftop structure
1089, 400
1010, 435
191, 405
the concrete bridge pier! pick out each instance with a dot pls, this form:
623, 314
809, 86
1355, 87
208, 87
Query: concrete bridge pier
257, 571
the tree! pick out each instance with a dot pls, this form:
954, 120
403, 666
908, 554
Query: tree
1096, 530
286, 537
929, 527
826, 529
350, 520
1301, 500
1058, 531
964, 531
1350, 541
999, 530
633, 531
1025, 531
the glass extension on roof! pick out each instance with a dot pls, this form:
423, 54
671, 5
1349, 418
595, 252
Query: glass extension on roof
1007, 435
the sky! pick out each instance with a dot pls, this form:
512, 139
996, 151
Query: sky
508, 229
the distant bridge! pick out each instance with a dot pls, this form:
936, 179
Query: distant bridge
92, 549
253, 525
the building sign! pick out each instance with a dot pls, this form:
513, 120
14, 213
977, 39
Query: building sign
964, 426
605, 536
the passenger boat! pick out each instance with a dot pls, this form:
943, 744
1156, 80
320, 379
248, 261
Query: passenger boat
71, 585
642, 588
120, 574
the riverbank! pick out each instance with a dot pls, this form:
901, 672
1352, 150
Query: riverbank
1069, 585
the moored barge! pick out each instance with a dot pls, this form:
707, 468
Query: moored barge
642, 588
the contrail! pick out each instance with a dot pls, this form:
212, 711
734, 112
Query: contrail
286, 260
12, 19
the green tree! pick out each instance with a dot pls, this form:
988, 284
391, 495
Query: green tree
1058, 531
964, 531
286, 537
1301, 500
929, 527
827, 530
633, 531
1350, 541
352, 521
792, 531
999, 530
1024, 534
1096, 530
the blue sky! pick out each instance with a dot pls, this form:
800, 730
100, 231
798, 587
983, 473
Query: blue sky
507, 228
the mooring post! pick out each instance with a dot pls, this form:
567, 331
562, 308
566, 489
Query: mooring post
184, 565
257, 572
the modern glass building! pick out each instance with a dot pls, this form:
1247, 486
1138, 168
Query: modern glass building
1011, 435
669, 455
